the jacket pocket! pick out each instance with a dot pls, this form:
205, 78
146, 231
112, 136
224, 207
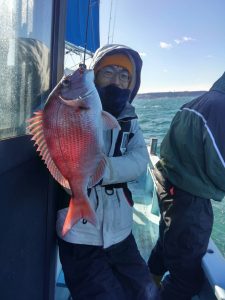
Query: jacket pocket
123, 217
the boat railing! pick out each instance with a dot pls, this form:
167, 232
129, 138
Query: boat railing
213, 263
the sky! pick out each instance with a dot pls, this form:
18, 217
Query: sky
181, 42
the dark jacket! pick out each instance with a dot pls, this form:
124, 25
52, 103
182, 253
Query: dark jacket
193, 150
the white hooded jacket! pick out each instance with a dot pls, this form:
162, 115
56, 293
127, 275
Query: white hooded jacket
113, 204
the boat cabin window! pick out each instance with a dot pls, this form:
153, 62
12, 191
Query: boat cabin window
24, 62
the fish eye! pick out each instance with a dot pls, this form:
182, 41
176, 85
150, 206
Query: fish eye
65, 82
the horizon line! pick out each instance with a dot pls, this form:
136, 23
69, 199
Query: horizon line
184, 91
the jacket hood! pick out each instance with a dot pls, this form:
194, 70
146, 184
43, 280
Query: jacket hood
219, 85
134, 57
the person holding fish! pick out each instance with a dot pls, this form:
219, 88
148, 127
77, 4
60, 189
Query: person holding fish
99, 255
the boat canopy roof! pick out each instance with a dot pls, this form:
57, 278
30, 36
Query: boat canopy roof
83, 14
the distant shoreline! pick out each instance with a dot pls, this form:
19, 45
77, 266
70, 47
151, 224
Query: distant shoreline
169, 94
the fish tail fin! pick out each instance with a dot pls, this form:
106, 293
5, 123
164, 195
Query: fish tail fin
78, 209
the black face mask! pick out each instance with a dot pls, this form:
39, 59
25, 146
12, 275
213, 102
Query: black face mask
113, 98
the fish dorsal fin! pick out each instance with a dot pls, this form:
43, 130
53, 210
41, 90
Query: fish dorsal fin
35, 128
109, 122
98, 173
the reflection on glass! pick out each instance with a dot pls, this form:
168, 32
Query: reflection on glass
24, 62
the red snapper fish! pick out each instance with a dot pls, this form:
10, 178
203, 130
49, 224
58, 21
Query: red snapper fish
69, 136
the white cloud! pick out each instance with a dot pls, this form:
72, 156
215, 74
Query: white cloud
177, 41
187, 38
164, 45
184, 39
165, 71
209, 56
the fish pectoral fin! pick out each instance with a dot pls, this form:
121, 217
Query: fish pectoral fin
78, 209
99, 172
109, 122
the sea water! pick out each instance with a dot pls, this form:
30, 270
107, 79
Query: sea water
155, 116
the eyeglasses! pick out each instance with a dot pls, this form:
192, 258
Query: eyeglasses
110, 72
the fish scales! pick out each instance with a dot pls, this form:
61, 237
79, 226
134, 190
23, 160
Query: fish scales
71, 126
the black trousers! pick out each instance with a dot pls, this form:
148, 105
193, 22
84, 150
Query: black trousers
116, 273
184, 232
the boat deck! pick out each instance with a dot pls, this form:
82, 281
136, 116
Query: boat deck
145, 225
